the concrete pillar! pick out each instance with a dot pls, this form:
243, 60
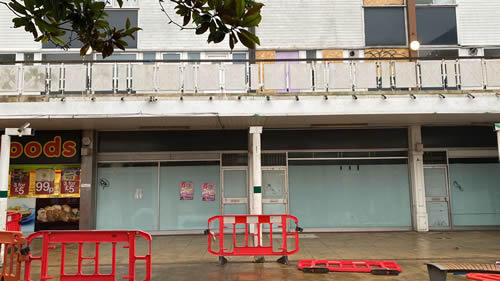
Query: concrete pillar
87, 192
4, 178
416, 167
497, 129
256, 180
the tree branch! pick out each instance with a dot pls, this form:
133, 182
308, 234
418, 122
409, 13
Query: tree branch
170, 19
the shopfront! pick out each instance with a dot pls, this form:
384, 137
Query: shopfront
44, 184
175, 181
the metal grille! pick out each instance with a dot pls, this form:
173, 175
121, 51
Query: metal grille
274, 159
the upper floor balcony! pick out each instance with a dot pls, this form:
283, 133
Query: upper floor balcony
321, 76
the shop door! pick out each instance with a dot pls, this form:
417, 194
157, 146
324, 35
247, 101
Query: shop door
234, 191
437, 197
274, 191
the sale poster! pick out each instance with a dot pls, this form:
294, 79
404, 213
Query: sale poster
19, 183
187, 190
45, 181
70, 181
26, 207
208, 191
57, 214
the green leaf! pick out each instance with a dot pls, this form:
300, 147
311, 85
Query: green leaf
187, 18
216, 36
252, 20
202, 28
18, 22
120, 3
58, 41
30, 5
248, 39
127, 24
227, 4
240, 8
256, 7
84, 49
18, 8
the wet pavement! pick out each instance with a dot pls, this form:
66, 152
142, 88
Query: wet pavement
186, 258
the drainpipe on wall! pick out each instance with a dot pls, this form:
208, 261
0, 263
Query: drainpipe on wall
412, 26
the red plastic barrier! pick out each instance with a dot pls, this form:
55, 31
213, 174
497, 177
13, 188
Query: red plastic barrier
13, 221
12, 244
258, 221
95, 237
374, 267
483, 277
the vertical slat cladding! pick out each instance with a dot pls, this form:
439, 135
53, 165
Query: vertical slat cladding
318, 24
478, 22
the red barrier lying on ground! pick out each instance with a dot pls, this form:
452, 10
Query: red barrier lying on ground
258, 221
12, 244
483, 277
94, 237
373, 267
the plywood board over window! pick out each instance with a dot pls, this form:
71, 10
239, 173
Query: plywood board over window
333, 54
265, 55
382, 2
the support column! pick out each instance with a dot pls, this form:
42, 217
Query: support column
497, 129
87, 193
256, 180
416, 167
4, 178
255, 150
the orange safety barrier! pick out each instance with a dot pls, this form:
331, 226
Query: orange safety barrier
13, 221
280, 221
13, 254
95, 237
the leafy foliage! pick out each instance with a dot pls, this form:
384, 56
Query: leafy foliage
50, 20
222, 18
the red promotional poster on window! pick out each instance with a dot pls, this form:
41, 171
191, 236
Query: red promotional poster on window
19, 183
45, 181
70, 181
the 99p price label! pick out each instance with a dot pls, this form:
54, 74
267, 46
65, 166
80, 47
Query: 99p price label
44, 187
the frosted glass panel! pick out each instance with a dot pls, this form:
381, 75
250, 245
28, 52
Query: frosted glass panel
274, 209
475, 194
235, 184
127, 197
235, 209
438, 214
179, 214
328, 196
273, 184
435, 182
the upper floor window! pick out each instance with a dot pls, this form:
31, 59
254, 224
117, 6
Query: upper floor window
7, 57
114, 3
437, 22
116, 18
385, 26
435, 2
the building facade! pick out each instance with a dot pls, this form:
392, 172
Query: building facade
333, 119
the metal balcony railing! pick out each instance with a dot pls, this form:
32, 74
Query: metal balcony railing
241, 77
